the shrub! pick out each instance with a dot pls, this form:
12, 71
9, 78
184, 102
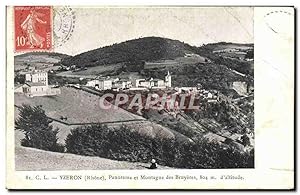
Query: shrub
19, 78
204, 154
37, 129
125, 144
99, 140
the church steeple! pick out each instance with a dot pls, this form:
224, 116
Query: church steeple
168, 80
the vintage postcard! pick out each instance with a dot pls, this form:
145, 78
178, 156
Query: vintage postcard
150, 97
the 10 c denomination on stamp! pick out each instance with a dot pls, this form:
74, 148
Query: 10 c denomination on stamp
33, 28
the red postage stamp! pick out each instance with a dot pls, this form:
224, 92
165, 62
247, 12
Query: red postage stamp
33, 28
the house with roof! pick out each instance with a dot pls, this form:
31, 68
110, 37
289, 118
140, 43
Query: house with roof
37, 76
121, 84
117, 84
36, 84
35, 89
154, 83
100, 84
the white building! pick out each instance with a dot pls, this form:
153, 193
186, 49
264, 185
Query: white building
121, 84
36, 84
143, 83
155, 83
117, 84
168, 80
37, 76
186, 89
105, 84
100, 84
93, 83
159, 83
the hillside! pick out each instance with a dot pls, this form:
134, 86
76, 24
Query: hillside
50, 54
41, 60
64, 109
67, 103
227, 45
137, 50
153, 56
210, 76
39, 160
236, 56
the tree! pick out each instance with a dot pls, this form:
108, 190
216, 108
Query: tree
37, 129
119, 144
249, 54
19, 78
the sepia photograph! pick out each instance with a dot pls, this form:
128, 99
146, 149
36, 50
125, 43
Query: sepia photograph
178, 97
150, 97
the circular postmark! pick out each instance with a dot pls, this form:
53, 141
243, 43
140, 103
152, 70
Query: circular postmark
63, 25
279, 21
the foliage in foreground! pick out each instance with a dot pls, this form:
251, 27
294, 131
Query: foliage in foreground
125, 144
37, 129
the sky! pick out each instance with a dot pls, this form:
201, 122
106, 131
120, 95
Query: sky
98, 27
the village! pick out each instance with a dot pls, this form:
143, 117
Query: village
169, 99
36, 84
118, 84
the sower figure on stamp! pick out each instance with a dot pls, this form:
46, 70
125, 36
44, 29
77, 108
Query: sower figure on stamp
29, 25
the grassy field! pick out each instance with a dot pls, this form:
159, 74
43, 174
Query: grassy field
78, 106
39, 60
180, 61
82, 107
220, 46
154, 130
91, 72
28, 159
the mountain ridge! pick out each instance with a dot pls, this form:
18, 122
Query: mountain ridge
150, 49
135, 51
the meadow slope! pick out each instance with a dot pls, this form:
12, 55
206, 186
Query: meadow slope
28, 159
